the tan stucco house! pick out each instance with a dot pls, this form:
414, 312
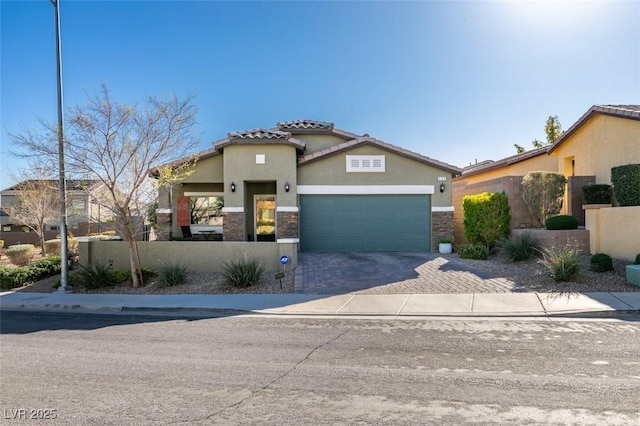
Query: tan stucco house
605, 136
312, 185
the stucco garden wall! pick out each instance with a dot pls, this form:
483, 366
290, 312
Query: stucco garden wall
200, 256
571, 237
614, 231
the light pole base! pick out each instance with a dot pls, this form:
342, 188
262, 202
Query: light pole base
65, 290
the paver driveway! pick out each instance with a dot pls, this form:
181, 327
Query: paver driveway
392, 273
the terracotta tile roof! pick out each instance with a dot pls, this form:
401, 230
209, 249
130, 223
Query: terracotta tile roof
304, 124
259, 134
366, 140
485, 166
631, 112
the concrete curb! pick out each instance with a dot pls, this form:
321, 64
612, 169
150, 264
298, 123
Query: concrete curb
394, 306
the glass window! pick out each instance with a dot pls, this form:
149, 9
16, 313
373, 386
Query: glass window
206, 210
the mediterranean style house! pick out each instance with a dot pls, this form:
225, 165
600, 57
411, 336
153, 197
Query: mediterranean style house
310, 184
604, 137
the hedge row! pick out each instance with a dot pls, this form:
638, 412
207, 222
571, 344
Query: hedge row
23, 275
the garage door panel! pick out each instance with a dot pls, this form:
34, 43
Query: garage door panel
365, 222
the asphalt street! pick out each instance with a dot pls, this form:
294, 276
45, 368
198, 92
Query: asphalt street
126, 370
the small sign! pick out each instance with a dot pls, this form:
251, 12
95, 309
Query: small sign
442, 178
284, 260
280, 275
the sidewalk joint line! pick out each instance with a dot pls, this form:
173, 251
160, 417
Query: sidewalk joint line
345, 303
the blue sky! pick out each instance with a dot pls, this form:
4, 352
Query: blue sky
456, 81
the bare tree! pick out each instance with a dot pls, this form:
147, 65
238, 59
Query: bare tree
37, 200
118, 144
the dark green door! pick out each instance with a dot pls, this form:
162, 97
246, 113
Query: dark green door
338, 223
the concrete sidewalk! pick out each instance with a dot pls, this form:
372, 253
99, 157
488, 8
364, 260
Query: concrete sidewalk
344, 305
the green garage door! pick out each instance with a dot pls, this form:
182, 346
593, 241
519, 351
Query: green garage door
338, 223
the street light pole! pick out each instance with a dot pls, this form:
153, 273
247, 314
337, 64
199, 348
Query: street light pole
64, 267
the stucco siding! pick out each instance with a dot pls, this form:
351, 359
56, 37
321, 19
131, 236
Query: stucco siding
614, 231
207, 170
601, 143
398, 171
541, 162
240, 166
318, 142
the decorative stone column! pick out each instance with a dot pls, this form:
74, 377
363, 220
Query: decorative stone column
442, 226
287, 225
233, 226
164, 220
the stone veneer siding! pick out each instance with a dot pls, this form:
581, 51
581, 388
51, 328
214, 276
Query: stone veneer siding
163, 231
575, 196
442, 226
233, 226
287, 225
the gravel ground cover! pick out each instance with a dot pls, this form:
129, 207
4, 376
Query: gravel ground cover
530, 276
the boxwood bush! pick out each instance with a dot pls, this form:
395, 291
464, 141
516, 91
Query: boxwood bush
626, 184
601, 262
20, 254
473, 251
597, 194
561, 222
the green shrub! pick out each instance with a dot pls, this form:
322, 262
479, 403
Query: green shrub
15, 277
242, 273
172, 274
519, 248
24, 275
486, 218
543, 193
46, 267
637, 260
560, 222
20, 254
597, 194
601, 262
118, 276
562, 262
626, 184
97, 276
473, 251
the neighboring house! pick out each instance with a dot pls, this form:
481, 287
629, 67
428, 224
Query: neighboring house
82, 209
308, 183
604, 137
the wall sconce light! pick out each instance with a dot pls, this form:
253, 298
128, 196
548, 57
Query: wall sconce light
233, 187
286, 186
442, 187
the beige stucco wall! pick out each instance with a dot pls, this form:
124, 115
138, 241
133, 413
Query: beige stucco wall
614, 231
240, 166
200, 256
399, 171
541, 162
598, 145
318, 142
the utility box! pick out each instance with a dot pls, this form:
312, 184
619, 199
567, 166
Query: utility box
633, 274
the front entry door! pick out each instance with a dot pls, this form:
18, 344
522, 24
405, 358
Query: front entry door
265, 217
